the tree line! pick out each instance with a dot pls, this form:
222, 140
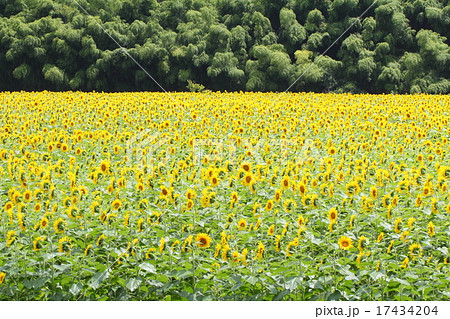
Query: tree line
398, 46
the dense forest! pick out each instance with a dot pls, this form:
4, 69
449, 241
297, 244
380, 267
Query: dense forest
397, 46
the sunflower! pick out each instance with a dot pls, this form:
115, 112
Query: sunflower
2, 277
189, 204
140, 187
64, 245
289, 205
389, 212
37, 207
352, 218
242, 225
248, 179
411, 221
391, 244
332, 215
302, 189
190, 194
260, 250
214, 180
430, 227
373, 192
140, 225
397, 223
345, 243
301, 221
87, 250
105, 166
37, 243
426, 190
8, 206
149, 254
244, 256
289, 247
258, 223
101, 239
234, 197
165, 192
217, 250
278, 194
10, 238
269, 205
162, 244
380, 237
203, 240
246, 167
271, 230
362, 243
44, 222
187, 242
236, 256
126, 220
59, 225
286, 182
405, 262
27, 195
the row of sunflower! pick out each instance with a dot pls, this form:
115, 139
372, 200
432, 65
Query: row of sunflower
230, 182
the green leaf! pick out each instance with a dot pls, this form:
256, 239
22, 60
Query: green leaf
98, 278
40, 282
334, 296
281, 295
293, 283
148, 267
133, 283
75, 289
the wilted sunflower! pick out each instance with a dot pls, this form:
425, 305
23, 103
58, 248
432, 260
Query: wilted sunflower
203, 240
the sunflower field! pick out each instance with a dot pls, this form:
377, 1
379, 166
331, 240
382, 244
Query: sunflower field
224, 196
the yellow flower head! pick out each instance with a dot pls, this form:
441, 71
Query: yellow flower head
203, 240
345, 243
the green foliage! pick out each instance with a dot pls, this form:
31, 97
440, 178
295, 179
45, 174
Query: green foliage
195, 87
225, 45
